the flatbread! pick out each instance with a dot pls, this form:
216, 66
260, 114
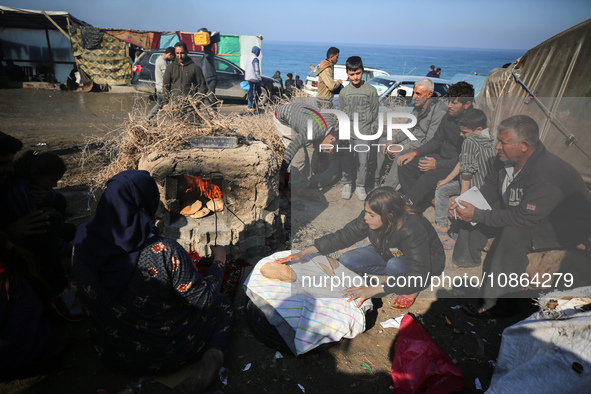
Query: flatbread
327, 270
215, 205
280, 272
333, 263
201, 213
191, 208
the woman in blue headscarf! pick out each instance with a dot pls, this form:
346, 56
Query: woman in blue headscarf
149, 309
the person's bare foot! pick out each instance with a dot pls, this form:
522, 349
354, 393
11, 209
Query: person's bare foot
207, 369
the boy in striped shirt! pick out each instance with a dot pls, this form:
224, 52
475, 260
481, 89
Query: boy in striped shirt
476, 160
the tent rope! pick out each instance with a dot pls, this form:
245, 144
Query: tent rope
570, 137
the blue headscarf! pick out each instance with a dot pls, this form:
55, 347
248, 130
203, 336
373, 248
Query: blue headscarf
111, 243
256, 50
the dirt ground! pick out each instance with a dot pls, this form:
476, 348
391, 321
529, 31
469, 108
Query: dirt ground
60, 121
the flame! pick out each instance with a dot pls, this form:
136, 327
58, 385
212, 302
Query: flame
206, 188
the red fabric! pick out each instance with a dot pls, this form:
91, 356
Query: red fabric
187, 38
419, 364
232, 274
155, 40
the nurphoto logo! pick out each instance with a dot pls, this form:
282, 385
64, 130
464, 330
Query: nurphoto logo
393, 124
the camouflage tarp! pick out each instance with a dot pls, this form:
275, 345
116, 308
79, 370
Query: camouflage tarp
109, 64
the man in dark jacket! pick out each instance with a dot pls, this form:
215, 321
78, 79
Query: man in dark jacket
183, 77
439, 155
544, 205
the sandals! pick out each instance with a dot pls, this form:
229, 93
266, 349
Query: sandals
439, 231
401, 303
448, 245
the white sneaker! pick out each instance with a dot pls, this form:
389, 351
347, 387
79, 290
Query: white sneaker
346, 193
360, 191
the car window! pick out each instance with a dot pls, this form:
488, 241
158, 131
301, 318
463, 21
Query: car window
196, 59
312, 73
381, 85
340, 73
225, 66
441, 89
154, 57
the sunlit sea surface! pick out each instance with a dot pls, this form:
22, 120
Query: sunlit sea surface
296, 57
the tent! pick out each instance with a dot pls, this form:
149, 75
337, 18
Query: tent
55, 41
37, 41
552, 84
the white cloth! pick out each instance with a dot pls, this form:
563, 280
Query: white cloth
316, 314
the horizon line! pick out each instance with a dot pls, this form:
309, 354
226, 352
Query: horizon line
391, 45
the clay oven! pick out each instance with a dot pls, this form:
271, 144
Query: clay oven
227, 197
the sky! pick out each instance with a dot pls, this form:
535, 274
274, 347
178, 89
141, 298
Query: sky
503, 24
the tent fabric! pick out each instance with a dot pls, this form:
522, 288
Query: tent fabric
557, 73
229, 48
146, 40
187, 38
246, 44
34, 19
91, 37
107, 65
168, 40
550, 351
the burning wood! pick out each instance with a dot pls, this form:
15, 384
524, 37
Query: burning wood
205, 188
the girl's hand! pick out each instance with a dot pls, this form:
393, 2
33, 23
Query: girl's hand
362, 293
283, 260
297, 256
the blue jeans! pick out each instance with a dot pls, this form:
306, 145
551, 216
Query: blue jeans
368, 260
442, 196
253, 94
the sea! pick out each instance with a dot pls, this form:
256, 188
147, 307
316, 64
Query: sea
296, 58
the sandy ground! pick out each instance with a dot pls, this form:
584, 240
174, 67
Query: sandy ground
60, 121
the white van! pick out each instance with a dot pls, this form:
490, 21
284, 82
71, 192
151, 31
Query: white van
311, 86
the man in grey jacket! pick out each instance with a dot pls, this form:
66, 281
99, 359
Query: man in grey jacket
159, 70
429, 111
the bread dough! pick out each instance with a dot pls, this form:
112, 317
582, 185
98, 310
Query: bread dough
333, 263
280, 272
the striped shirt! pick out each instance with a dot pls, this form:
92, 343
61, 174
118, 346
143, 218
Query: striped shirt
477, 157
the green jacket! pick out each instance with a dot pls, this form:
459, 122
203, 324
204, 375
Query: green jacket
183, 79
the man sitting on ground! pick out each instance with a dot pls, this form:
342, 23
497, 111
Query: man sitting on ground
439, 155
544, 205
429, 111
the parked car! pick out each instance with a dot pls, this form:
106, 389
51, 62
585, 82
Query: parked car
400, 87
229, 77
311, 86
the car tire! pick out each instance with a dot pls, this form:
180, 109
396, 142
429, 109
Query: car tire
265, 96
